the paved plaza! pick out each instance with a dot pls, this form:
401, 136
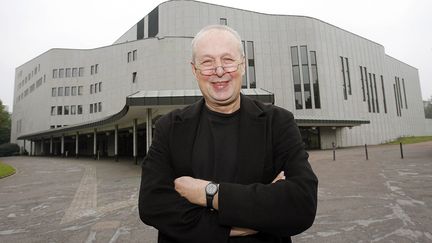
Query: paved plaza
383, 199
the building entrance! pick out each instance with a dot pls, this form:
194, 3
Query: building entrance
311, 137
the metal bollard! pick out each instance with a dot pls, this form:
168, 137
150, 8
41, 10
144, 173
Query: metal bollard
367, 156
401, 150
334, 150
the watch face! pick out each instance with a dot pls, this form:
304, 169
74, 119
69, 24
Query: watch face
211, 189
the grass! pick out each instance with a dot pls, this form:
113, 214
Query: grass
409, 140
6, 170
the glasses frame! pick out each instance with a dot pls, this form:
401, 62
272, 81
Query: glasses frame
214, 69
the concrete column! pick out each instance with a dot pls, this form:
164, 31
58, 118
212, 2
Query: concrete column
116, 142
31, 147
149, 126
62, 146
24, 145
76, 145
42, 147
94, 143
135, 141
51, 145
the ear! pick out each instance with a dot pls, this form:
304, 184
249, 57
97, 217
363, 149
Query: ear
194, 72
243, 67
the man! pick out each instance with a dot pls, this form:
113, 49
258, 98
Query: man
226, 169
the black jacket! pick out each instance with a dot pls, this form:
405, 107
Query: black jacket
269, 143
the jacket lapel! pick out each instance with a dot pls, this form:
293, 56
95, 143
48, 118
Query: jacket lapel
252, 143
183, 136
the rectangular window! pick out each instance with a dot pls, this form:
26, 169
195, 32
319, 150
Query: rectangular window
91, 88
403, 86
60, 91
61, 73
129, 57
343, 78
100, 86
96, 68
68, 72
367, 88
55, 73
59, 110
67, 91
81, 72
296, 77
306, 78
100, 106
376, 94
315, 83
244, 79
223, 21
362, 83
134, 75
53, 110
74, 91
92, 70
66, 110
74, 72
348, 75
91, 108
251, 64
396, 99
54, 92
32, 88
399, 92
372, 92
95, 108
383, 93
134, 55
153, 22
73, 109
80, 90
79, 109
96, 88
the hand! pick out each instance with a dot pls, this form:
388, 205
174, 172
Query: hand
235, 231
192, 189
280, 176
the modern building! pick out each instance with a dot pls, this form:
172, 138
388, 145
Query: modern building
341, 87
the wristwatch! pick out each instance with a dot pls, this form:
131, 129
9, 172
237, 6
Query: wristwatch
211, 189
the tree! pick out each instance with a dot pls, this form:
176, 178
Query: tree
428, 109
5, 124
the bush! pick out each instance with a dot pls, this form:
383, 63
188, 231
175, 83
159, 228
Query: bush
8, 149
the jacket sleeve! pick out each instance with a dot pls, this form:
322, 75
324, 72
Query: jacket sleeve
285, 208
163, 208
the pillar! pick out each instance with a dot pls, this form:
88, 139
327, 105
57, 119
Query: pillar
94, 143
62, 146
135, 141
51, 145
116, 143
76, 145
149, 126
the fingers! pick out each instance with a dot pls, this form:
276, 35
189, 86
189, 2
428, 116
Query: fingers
280, 176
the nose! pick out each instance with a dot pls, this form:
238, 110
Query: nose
219, 71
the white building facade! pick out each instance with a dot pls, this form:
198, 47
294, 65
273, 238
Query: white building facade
341, 87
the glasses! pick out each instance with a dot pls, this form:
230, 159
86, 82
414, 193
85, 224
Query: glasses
208, 71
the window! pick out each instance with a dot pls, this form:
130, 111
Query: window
153, 22
383, 93
344, 79
32, 88
53, 110
92, 70
223, 21
95, 107
96, 87
362, 83
67, 91
398, 86
396, 100
74, 72
91, 88
68, 72
251, 64
134, 55
73, 109
296, 77
376, 94
54, 92
134, 75
403, 85
96, 68
348, 75
372, 93
59, 110
61, 73
81, 72
60, 91
79, 109
129, 57
80, 90
66, 110
55, 73
91, 108
367, 88
52, 126
100, 86
74, 91
100, 106
315, 83
306, 79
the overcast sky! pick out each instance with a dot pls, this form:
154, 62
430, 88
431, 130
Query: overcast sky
28, 27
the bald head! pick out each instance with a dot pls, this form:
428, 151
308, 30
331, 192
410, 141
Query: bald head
223, 29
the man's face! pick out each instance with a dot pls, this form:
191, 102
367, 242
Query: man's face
217, 48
